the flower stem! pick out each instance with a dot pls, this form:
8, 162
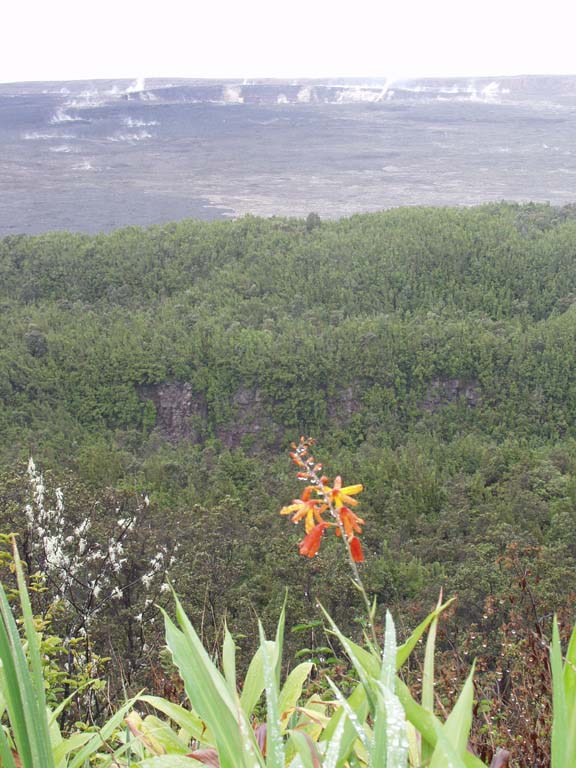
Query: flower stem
357, 579
360, 585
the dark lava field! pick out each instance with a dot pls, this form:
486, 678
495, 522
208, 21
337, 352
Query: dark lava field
95, 156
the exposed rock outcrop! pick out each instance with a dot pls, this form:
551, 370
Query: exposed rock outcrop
182, 415
176, 408
442, 392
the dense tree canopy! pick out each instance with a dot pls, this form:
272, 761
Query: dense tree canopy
431, 351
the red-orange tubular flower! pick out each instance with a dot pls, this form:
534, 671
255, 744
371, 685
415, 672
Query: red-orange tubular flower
310, 545
356, 550
350, 521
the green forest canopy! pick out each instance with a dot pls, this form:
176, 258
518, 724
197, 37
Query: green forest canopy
431, 351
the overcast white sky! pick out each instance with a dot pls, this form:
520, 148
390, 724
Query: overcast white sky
77, 39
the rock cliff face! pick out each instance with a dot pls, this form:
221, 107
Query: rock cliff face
442, 392
498, 90
183, 415
180, 414
87, 95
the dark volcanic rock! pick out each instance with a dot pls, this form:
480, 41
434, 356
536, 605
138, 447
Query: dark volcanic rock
180, 415
445, 391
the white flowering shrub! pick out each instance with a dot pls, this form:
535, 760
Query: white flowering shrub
102, 572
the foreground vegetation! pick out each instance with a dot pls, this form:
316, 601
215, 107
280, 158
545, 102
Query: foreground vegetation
368, 727
157, 375
378, 723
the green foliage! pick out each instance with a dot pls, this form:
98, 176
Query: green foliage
369, 727
403, 304
34, 737
379, 723
564, 700
433, 350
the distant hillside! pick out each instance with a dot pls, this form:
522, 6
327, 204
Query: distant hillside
248, 331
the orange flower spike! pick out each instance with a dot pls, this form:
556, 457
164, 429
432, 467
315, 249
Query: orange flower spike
341, 497
310, 545
313, 514
356, 550
317, 516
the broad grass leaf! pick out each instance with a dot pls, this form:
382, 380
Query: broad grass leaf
275, 753
208, 692
82, 757
192, 726
427, 724
406, 648
456, 729
26, 713
358, 703
306, 749
229, 660
389, 744
428, 676
292, 688
560, 718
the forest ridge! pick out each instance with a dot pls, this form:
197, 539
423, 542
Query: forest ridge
379, 319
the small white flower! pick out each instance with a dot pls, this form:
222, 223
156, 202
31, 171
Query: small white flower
147, 579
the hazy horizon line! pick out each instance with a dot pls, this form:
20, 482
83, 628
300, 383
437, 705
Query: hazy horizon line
307, 78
